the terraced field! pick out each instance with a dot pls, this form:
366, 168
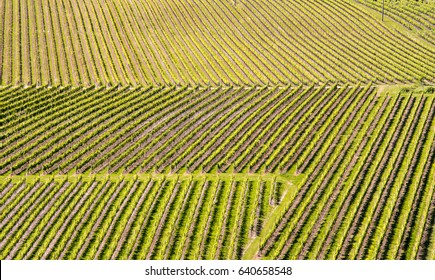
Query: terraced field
147, 129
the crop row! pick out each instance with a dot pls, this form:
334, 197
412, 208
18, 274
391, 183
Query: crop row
363, 192
169, 129
417, 16
84, 43
147, 218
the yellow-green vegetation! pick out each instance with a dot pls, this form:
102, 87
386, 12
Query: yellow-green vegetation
415, 16
308, 172
157, 129
139, 42
135, 216
406, 89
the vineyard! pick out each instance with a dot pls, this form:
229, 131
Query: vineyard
142, 129
369, 155
101, 42
159, 217
414, 15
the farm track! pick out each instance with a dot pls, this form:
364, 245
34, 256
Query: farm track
217, 129
131, 213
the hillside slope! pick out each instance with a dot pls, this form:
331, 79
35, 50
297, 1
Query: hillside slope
203, 42
200, 129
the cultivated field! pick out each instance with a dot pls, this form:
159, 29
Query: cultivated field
99, 42
417, 16
142, 129
362, 162
159, 217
